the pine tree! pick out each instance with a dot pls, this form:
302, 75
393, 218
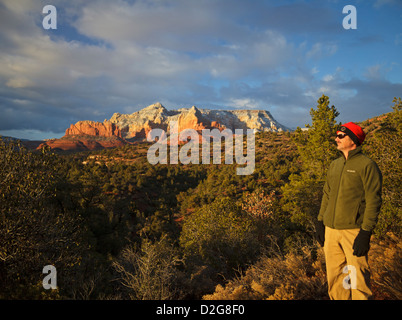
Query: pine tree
316, 146
317, 149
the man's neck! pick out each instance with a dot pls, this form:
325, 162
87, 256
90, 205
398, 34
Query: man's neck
346, 152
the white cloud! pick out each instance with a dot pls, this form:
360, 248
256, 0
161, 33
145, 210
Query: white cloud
245, 103
111, 56
19, 82
21, 6
322, 50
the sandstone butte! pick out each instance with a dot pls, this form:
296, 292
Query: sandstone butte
92, 128
127, 128
88, 135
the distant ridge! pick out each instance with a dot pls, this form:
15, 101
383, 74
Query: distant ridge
125, 128
139, 123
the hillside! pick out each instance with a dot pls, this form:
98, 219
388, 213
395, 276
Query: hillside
121, 228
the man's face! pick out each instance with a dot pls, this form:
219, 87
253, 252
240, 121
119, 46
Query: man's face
345, 143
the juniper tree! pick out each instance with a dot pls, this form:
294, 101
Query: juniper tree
34, 230
316, 147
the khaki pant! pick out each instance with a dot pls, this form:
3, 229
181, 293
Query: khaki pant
348, 276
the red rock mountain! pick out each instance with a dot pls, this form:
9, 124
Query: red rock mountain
139, 123
92, 128
88, 135
126, 128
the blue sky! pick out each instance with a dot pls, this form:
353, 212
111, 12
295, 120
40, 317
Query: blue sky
121, 56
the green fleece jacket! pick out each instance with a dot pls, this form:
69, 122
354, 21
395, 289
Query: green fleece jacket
352, 193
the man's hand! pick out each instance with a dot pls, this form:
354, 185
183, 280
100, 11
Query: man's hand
320, 232
361, 245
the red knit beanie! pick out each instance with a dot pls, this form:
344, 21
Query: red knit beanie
354, 131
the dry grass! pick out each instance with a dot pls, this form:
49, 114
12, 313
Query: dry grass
290, 277
301, 276
385, 258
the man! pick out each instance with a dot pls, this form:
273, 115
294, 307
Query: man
349, 209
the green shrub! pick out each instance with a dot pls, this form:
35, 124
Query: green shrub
220, 235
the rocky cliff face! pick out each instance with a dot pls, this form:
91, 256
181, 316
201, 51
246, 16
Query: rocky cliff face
138, 124
88, 135
122, 128
92, 128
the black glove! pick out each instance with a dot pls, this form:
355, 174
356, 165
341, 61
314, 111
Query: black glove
320, 232
361, 245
